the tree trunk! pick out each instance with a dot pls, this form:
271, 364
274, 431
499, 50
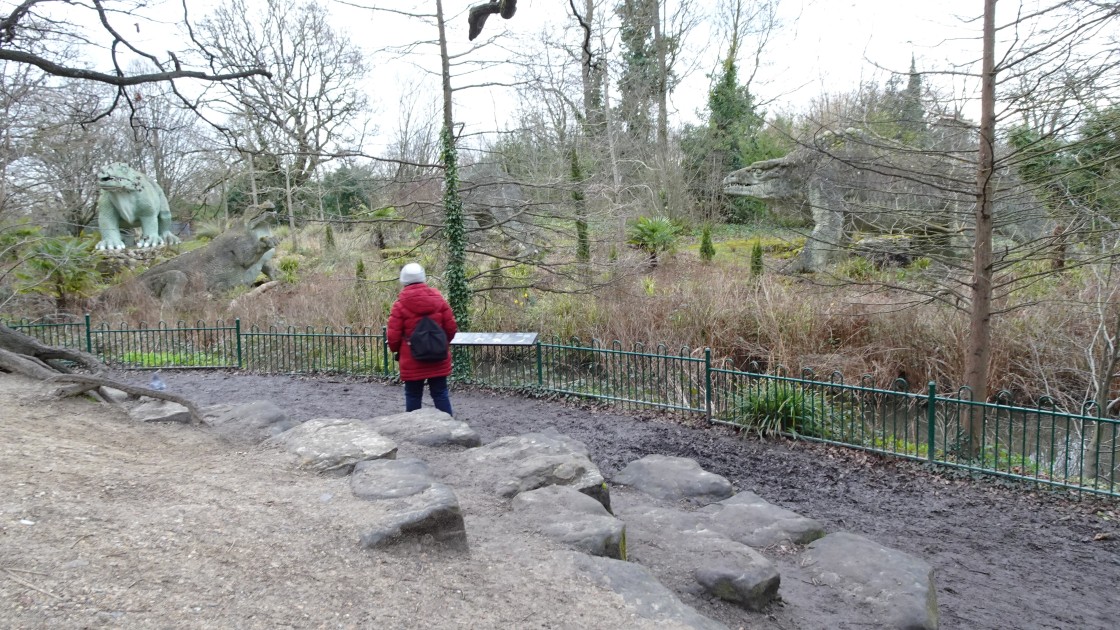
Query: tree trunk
662, 107
980, 324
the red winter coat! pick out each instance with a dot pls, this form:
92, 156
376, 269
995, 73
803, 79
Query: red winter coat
415, 302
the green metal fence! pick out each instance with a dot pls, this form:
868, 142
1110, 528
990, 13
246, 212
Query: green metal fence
1041, 444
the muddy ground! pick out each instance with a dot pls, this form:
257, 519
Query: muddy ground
233, 523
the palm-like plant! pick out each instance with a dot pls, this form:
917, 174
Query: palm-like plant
64, 268
654, 236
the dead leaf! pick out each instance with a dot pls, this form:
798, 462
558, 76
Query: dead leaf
1103, 536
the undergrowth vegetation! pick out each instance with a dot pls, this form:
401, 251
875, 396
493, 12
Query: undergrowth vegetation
744, 308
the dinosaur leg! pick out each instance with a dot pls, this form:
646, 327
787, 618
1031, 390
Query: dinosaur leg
165, 232
477, 17
109, 225
149, 226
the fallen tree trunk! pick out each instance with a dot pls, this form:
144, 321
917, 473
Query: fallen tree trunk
26, 355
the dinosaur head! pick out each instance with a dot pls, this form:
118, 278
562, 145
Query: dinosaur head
119, 177
775, 179
260, 216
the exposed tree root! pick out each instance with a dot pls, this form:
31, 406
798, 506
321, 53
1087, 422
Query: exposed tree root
25, 355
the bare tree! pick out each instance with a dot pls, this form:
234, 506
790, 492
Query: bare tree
55, 36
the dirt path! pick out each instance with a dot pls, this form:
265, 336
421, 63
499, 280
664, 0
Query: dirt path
166, 526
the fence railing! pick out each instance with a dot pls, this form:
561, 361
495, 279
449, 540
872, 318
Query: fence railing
1041, 444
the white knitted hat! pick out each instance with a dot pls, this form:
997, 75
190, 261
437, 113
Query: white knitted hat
412, 273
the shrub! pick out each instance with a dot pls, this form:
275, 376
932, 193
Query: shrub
288, 267
780, 407
707, 250
756, 260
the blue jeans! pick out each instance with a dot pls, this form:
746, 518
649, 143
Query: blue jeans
414, 393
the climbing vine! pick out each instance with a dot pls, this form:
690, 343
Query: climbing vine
458, 291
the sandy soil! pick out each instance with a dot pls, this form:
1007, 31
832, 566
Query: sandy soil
107, 522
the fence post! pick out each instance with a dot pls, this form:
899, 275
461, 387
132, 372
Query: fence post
540, 366
237, 331
708, 383
385, 349
89, 336
931, 421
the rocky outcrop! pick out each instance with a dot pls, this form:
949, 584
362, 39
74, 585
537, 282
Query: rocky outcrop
685, 541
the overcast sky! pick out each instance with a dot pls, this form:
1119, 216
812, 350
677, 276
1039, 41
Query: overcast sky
822, 46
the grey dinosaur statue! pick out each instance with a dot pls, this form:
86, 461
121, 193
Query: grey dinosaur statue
847, 183
478, 13
129, 199
234, 259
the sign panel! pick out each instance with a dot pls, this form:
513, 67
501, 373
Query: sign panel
494, 339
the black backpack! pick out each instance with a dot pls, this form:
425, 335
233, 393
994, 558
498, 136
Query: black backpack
428, 342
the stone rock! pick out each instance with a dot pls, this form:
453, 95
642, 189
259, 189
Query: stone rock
252, 422
515, 464
428, 427
895, 589
674, 479
414, 508
113, 395
753, 521
380, 479
668, 538
152, 410
335, 445
641, 590
572, 518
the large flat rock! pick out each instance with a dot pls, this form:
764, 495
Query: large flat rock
670, 540
153, 410
516, 464
674, 479
572, 518
893, 588
641, 590
413, 508
335, 445
753, 521
429, 427
252, 422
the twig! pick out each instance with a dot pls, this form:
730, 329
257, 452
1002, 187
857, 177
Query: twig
80, 539
30, 585
971, 569
26, 571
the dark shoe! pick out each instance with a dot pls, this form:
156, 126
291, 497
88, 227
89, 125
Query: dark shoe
509, 7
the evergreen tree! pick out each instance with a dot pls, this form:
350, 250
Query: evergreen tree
707, 250
732, 139
639, 72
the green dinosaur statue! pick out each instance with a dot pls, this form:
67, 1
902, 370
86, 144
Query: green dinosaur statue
130, 199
